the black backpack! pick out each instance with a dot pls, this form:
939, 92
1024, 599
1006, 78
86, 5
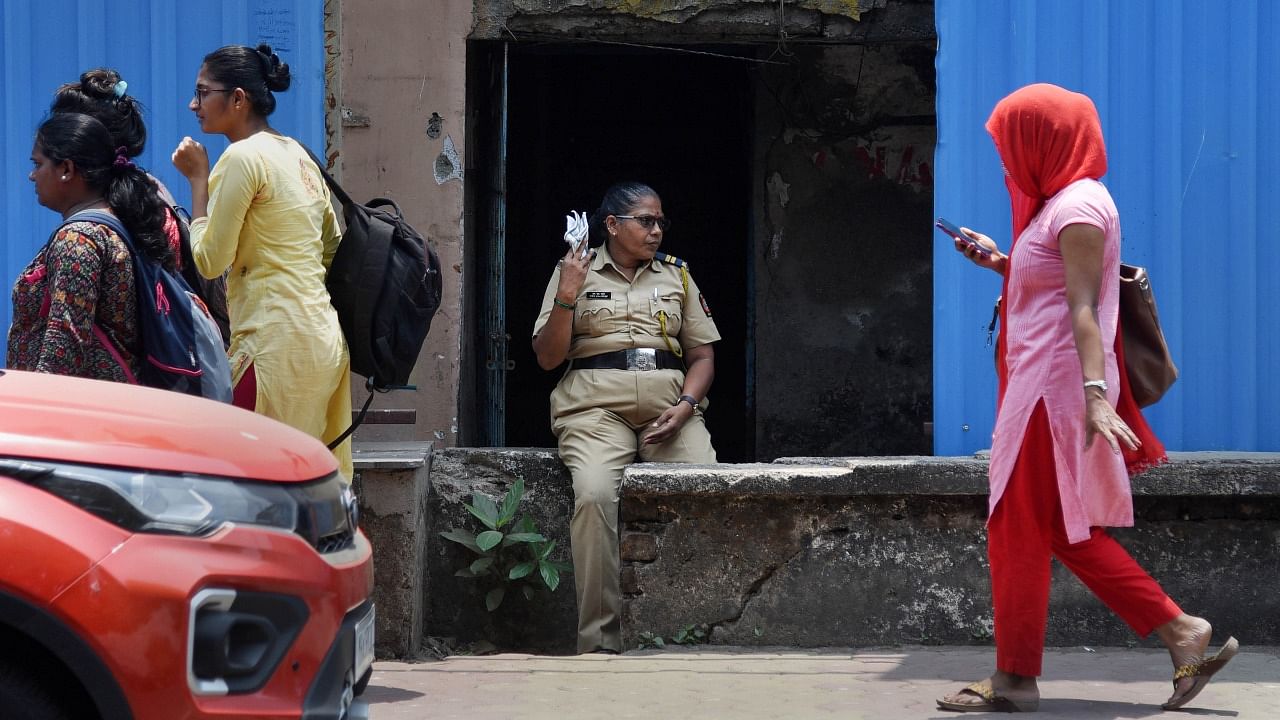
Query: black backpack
385, 283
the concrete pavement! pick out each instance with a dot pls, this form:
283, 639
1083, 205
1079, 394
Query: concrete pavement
743, 683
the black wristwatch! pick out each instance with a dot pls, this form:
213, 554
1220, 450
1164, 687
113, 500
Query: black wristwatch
689, 399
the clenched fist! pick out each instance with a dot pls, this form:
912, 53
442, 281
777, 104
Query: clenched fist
192, 159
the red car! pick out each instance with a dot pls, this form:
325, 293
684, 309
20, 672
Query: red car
167, 557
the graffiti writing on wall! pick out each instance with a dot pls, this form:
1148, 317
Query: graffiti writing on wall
898, 164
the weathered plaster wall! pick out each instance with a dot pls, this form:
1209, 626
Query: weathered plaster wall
845, 138
403, 87
717, 20
810, 558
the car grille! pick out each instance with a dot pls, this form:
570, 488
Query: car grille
337, 542
327, 514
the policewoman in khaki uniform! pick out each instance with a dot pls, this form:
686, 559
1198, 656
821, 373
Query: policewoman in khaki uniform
638, 337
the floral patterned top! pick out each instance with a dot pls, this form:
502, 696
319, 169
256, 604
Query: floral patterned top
82, 278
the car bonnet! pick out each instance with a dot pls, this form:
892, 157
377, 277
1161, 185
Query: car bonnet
69, 419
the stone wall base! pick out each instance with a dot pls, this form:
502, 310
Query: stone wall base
813, 552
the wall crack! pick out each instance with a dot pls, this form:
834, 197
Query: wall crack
757, 586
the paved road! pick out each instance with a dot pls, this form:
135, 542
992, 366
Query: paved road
744, 683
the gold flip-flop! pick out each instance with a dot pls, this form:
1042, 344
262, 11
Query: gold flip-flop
1200, 672
991, 701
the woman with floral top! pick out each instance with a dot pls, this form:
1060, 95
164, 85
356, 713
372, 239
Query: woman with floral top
103, 94
74, 306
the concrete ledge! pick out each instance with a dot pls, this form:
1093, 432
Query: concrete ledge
391, 485
813, 477
812, 552
1197, 474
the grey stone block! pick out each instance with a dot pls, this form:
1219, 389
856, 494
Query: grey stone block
391, 488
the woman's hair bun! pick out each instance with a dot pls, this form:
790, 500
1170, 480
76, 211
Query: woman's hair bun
99, 83
274, 72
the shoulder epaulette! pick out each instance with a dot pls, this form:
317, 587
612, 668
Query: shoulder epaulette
670, 259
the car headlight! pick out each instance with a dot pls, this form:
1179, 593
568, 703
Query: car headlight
188, 504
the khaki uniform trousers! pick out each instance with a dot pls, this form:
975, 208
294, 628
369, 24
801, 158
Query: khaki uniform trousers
598, 417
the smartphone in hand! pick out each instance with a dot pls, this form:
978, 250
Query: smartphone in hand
954, 231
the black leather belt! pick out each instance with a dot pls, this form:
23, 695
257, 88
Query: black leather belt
630, 359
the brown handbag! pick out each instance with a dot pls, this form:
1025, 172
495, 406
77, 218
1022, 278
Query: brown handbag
1147, 362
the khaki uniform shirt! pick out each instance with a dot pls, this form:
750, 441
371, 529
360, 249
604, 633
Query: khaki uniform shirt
614, 313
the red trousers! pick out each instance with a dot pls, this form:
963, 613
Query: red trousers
245, 394
1025, 530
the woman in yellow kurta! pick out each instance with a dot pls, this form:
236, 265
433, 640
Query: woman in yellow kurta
264, 212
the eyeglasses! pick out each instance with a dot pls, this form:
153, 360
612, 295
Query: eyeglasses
648, 221
202, 92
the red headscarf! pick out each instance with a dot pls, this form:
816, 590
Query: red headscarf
1049, 137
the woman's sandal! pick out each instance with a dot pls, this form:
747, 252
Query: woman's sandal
991, 701
1200, 672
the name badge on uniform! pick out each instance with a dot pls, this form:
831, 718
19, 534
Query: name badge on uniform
599, 295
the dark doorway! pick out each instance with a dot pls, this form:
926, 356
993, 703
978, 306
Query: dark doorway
582, 117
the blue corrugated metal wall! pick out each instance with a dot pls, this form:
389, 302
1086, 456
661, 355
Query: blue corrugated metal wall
1188, 92
157, 45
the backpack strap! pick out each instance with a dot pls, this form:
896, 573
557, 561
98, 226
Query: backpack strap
111, 221
101, 335
368, 385
334, 187
103, 218
346, 201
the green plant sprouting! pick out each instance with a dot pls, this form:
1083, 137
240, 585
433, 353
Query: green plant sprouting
692, 634
511, 554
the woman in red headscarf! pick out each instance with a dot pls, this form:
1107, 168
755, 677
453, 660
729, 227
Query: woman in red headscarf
1067, 433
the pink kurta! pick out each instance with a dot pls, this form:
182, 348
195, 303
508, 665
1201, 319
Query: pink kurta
1043, 364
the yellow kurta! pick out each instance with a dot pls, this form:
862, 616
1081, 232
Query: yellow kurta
271, 223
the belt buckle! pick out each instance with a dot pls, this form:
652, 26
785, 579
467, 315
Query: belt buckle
642, 359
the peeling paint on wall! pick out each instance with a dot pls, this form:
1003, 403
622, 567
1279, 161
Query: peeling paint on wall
896, 163
354, 119
448, 166
779, 189
846, 172
676, 10
848, 8
775, 243
665, 21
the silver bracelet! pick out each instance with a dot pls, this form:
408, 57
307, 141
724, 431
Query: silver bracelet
1100, 384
